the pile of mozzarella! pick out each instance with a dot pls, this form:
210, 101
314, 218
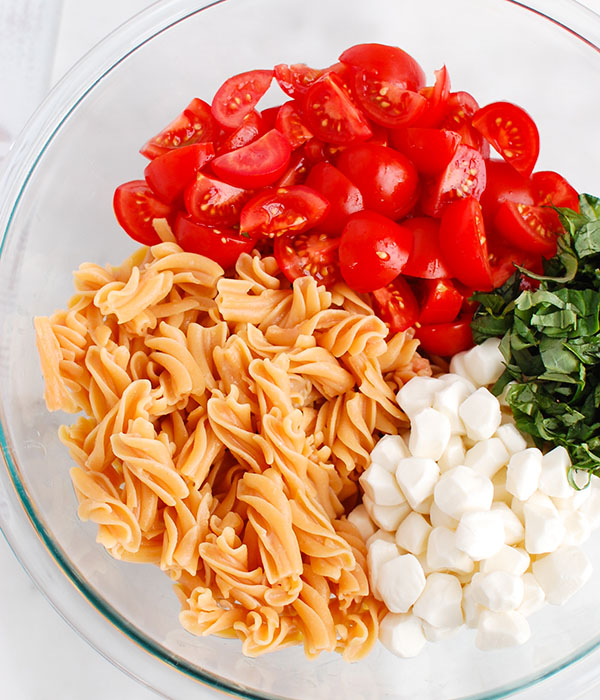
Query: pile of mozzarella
465, 522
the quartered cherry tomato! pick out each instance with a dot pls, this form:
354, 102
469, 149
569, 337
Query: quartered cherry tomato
169, 173
533, 229
331, 114
290, 124
503, 184
278, 211
344, 198
440, 301
388, 181
295, 79
296, 172
446, 339
503, 259
249, 130
460, 108
430, 150
373, 250
396, 305
223, 245
258, 164
464, 245
550, 188
437, 99
464, 176
194, 125
135, 206
512, 132
213, 202
312, 253
238, 96
425, 260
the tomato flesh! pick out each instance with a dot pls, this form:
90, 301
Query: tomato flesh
550, 188
464, 245
238, 96
276, 212
446, 339
331, 114
460, 108
135, 206
441, 301
503, 259
295, 79
290, 124
528, 228
396, 305
512, 132
464, 176
373, 250
344, 198
312, 253
223, 245
425, 260
258, 164
213, 202
388, 181
194, 125
437, 99
390, 61
430, 150
168, 174
251, 128
503, 184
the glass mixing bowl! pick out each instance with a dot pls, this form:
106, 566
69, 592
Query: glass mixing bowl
56, 211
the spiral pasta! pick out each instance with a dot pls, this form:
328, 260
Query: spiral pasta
224, 424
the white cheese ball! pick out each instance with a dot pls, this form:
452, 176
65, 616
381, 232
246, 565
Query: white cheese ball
400, 581
485, 362
381, 486
429, 434
480, 414
499, 630
388, 451
523, 473
480, 534
461, 490
379, 550
453, 455
448, 400
444, 555
511, 438
544, 528
362, 521
562, 573
497, 590
417, 394
440, 604
513, 560
417, 477
412, 533
553, 479
386, 517
487, 457
402, 634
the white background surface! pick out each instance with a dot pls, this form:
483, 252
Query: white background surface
41, 657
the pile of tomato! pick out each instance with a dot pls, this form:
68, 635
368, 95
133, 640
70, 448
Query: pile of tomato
365, 174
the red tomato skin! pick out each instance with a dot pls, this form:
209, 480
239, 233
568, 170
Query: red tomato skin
430, 150
527, 228
135, 205
296, 171
503, 259
388, 181
464, 176
437, 99
425, 260
396, 305
344, 198
222, 245
497, 122
258, 164
550, 188
282, 210
214, 203
389, 61
373, 250
168, 174
268, 116
446, 339
331, 114
503, 184
290, 124
295, 79
250, 129
238, 96
463, 243
440, 303
460, 108
312, 253
194, 125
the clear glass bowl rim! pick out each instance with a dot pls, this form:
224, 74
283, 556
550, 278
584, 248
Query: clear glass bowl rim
26, 536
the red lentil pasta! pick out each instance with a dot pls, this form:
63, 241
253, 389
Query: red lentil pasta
224, 422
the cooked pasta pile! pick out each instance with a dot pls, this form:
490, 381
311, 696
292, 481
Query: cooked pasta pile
225, 422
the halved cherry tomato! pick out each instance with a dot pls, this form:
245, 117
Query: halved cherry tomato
308, 254
463, 177
213, 202
387, 180
296, 172
528, 228
290, 124
430, 150
238, 95
331, 114
512, 132
446, 339
463, 243
223, 245
440, 302
250, 129
258, 164
396, 305
425, 260
295, 79
503, 184
135, 206
194, 125
437, 99
503, 259
344, 198
168, 174
373, 250
460, 108
552, 189
275, 212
